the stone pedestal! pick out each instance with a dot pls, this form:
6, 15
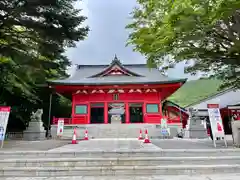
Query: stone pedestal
35, 131
53, 131
236, 133
116, 119
195, 129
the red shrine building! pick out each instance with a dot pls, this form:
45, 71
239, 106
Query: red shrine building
132, 91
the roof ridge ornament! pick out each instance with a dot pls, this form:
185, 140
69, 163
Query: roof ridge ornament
116, 60
115, 57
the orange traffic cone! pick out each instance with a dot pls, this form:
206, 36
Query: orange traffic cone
86, 135
74, 139
140, 135
146, 140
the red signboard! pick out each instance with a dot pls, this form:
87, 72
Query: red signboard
213, 106
4, 109
219, 127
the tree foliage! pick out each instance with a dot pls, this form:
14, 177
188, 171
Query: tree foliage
34, 35
203, 32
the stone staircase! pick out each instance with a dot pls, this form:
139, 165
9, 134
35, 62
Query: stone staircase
118, 163
115, 130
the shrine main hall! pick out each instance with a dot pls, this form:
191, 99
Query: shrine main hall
133, 92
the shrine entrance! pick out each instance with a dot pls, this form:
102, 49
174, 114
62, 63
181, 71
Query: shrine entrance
116, 113
136, 112
97, 113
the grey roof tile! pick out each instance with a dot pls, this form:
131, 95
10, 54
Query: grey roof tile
148, 76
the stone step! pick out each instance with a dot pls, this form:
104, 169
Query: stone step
123, 177
118, 170
110, 162
121, 153
114, 131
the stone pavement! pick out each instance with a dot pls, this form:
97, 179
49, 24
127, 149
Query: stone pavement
107, 145
134, 144
14, 145
110, 144
179, 177
189, 144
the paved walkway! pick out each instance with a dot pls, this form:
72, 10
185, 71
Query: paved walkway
111, 144
134, 144
179, 177
107, 145
14, 145
190, 144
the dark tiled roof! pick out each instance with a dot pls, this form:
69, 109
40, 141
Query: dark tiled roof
84, 75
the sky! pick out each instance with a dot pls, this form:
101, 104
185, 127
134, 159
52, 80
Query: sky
107, 20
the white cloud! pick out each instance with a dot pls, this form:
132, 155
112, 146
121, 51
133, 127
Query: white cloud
107, 20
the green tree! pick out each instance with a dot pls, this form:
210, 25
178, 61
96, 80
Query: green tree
204, 32
34, 35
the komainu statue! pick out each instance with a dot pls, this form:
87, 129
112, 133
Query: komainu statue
37, 116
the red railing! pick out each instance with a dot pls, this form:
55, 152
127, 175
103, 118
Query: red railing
66, 120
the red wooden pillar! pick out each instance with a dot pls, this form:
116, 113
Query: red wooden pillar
127, 113
160, 107
105, 113
73, 107
168, 112
89, 113
160, 104
160, 111
144, 112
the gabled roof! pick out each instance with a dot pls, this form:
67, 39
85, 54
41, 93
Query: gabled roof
116, 65
132, 74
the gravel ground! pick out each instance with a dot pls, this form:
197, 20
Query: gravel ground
189, 144
33, 145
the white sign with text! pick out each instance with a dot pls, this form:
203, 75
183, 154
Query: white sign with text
216, 123
4, 116
60, 127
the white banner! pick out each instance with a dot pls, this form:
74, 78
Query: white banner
165, 131
216, 123
164, 123
4, 115
60, 127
